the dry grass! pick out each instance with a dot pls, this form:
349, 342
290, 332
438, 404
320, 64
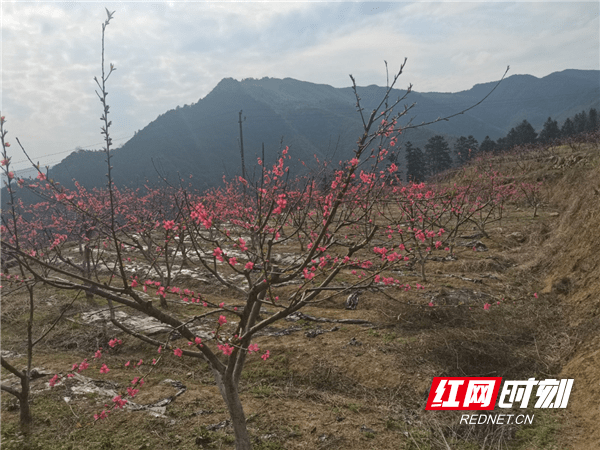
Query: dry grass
366, 386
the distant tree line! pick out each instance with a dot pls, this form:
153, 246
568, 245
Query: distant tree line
438, 157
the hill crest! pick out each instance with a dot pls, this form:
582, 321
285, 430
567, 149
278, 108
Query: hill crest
202, 139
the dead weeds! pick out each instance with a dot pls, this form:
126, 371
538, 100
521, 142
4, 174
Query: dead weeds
357, 387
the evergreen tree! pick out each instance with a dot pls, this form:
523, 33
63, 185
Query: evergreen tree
502, 144
473, 145
580, 122
568, 128
488, 145
522, 134
465, 148
437, 154
416, 169
550, 131
392, 158
527, 133
510, 140
592, 123
461, 150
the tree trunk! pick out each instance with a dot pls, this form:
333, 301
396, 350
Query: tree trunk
87, 270
230, 394
25, 413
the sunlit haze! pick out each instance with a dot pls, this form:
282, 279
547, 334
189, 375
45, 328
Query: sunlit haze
174, 53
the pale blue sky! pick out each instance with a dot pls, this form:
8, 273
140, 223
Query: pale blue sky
174, 53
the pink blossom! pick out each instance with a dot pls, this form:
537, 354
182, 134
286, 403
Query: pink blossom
365, 178
249, 265
104, 369
486, 306
266, 355
119, 402
198, 341
535, 295
53, 381
222, 320
253, 348
218, 253
132, 392
226, 349
102, 415
308, 275
127, 363
84, 365
178, 352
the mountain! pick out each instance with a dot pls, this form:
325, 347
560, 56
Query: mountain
519, 97
202, 139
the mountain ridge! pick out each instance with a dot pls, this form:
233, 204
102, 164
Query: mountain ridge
202, 139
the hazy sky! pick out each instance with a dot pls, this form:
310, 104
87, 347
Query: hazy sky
174, 53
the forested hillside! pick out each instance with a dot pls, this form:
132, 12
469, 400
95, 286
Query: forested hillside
203, 139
